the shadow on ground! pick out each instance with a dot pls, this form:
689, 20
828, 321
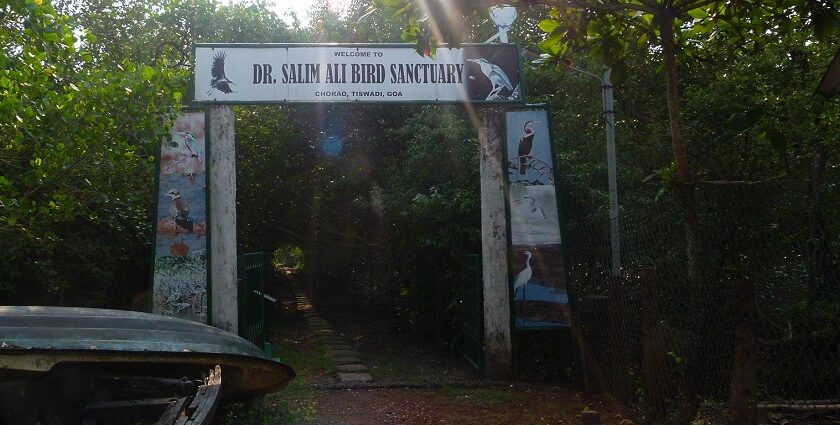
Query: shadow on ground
414, 381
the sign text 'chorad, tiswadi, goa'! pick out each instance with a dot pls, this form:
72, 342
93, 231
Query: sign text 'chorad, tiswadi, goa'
248, 73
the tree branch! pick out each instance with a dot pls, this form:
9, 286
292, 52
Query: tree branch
599, 7
692, 4
740, 182
303, 238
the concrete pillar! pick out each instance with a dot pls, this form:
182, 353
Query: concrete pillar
497, 337
222, 173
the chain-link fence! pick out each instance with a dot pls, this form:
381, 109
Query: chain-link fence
766, 307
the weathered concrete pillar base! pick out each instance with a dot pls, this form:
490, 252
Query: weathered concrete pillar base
497, 338
222, 180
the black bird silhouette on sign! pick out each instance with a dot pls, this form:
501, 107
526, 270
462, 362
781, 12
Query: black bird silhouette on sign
219, 81
525, 145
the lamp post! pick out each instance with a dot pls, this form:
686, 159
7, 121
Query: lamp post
503, 16
609, 118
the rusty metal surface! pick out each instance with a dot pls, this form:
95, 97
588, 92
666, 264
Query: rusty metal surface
34, 339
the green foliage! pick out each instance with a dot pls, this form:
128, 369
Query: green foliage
288, 257
78, 152
431, 202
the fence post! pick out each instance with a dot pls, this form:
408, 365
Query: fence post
742, 386
653, 347
619, 352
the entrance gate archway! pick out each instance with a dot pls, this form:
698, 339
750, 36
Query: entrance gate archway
479, 76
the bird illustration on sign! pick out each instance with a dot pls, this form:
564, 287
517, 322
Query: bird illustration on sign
498, 79
523, 277
189, 143
185, 158
531, 208
526, 143
180, 210
529, 151
219, 81
180, 268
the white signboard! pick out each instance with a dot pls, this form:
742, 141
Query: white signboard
255, 73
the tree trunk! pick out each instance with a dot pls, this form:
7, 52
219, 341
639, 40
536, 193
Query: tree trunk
685, 183
314, 247
742, 387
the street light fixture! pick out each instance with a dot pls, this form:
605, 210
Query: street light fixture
503, 16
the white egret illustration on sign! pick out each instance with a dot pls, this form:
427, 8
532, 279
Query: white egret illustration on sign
523, 277
531, 208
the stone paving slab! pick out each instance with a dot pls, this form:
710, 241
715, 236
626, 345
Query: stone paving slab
354, 377
327, 342
321, 328
351, 368
345, 360
331, 337
342, 353
338, 346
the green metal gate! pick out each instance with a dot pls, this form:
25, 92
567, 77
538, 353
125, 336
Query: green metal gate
472, 312
250, 271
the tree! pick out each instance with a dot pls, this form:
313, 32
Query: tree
671, 28
79, 144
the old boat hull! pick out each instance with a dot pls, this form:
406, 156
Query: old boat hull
35, 340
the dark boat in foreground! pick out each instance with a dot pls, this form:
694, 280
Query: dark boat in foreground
63, 365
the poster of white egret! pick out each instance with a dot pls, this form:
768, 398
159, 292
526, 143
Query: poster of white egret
537, 272
180, 266
539, 291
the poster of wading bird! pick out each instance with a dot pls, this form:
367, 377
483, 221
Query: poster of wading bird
537, 274
533, 199
491, 75
539, 294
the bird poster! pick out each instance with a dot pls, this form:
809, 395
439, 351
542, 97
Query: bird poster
180, 263
539, 292
530, 170
492, 74
537, 271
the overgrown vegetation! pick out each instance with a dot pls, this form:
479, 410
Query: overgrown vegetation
715, 110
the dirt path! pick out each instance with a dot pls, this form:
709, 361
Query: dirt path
451, 391
516, 404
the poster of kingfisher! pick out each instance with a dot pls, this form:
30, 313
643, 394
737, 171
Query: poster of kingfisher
180, 263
